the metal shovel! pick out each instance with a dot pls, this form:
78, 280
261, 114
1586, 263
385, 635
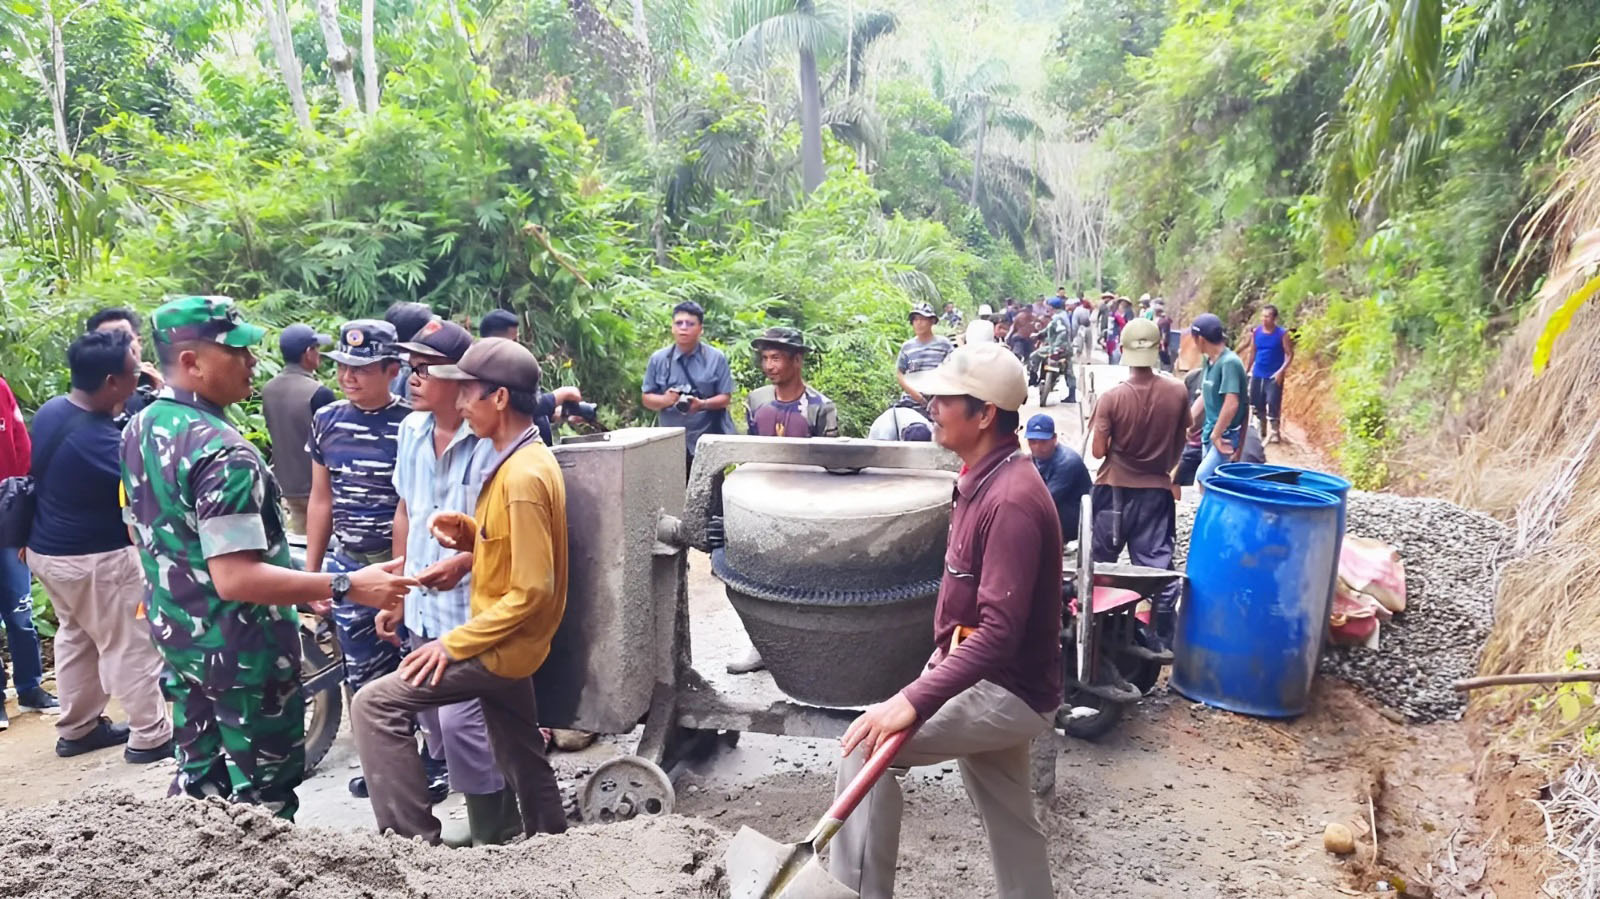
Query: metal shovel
763, 868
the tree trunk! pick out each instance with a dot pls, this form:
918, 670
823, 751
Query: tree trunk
288, 63
369, 56
810, 121
340, 61
56, 80
977, 153
647, 65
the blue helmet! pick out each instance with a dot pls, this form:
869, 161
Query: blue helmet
1057, 302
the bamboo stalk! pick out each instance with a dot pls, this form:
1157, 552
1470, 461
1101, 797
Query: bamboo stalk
1547, 677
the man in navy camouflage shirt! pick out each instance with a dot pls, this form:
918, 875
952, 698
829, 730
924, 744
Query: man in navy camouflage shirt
350, 515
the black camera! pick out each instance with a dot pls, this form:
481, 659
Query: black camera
685, 394
576, 409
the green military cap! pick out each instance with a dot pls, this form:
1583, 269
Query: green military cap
781, 339
211, 318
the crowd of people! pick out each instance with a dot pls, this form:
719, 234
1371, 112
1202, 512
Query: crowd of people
432, 514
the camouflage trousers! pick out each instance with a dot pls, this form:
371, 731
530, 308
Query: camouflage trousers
239, 726
367, 656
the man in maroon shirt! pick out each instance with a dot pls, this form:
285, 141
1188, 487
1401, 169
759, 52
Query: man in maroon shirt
994, 681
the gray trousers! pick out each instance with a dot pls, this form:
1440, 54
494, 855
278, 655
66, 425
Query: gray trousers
456, 733
381, 717
987, 729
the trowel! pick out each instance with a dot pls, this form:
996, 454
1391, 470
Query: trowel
763, 868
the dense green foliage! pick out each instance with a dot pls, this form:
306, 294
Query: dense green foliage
1366, 165
528, 155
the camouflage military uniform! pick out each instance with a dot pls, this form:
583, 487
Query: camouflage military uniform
359, 448
194, 489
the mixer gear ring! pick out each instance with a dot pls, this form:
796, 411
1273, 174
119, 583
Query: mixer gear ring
624, 788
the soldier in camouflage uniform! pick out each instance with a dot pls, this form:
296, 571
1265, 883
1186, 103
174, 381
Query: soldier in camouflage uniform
204, 509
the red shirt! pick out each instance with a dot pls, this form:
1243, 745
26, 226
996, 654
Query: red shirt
1002, 580
16, 449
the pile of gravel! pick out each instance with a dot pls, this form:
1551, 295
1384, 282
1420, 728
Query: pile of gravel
1449, 554
105, 844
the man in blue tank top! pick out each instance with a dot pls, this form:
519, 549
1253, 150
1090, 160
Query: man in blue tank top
1267, 358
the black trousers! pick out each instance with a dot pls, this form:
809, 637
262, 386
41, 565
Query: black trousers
1144, 521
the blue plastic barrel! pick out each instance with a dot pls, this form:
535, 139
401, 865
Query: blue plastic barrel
1300, 477
1251, 627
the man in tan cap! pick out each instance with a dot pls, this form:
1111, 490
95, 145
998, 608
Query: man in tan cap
994, 681
1140, 427
518, 542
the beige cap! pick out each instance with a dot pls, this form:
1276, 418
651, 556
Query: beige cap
1141, 344
988, 371
495, 360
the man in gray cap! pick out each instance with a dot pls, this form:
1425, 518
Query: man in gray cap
288, 402
994, 682
518, 543
350, 517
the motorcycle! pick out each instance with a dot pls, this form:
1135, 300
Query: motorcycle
1109, 656
322, 680
1052, 370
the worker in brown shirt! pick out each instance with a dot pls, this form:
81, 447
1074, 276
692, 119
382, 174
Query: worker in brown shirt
994, 682
1140, 427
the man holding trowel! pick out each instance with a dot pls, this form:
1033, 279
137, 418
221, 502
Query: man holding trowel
994, 680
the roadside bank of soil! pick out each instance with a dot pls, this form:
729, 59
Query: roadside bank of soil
106, 844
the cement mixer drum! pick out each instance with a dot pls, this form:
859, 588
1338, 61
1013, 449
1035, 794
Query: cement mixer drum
835, 576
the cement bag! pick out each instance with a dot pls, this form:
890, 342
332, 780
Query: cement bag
1371, 588
1355, 617
1374, 568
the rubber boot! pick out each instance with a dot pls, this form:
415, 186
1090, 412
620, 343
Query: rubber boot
1262, 427
1277, 432
751, 662
493, 818
1164, 625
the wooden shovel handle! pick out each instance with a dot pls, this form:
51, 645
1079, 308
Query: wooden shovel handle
868, 776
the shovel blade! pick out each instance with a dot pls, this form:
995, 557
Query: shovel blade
762, 868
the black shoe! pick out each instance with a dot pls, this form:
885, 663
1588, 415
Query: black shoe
4, 721
105, 734
38, 700
438, 790
358, 787
146, 756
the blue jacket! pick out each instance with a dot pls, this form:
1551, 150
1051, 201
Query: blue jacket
1068, 480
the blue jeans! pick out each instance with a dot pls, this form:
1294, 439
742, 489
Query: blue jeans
1214, 457
16, 608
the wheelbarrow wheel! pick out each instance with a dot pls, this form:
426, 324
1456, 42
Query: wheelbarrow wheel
1105, 713
624, 788
324, 708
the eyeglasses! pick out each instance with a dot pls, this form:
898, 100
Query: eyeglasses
421, 369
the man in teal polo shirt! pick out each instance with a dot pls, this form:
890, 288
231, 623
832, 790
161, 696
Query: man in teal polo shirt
1222, 398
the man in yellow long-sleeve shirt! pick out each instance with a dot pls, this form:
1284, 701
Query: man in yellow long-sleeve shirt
518, 542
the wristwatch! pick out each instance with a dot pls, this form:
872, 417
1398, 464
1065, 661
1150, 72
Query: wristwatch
341, 585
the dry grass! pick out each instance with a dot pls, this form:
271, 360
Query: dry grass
1530, 455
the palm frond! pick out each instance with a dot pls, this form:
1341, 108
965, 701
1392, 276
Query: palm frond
756, 31
869, 27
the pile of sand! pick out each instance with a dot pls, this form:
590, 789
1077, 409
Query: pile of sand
106, 844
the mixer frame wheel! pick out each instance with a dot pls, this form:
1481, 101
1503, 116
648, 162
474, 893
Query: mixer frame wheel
626, 787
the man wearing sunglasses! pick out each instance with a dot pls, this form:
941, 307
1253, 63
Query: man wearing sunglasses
518, 544
440, 468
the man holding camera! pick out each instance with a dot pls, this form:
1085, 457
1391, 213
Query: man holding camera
689, 384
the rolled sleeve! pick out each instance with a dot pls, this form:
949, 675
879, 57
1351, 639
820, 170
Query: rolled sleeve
655, 375
724, 375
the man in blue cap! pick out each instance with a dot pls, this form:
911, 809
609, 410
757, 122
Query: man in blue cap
288, 402
1222, 402
354, 445
1062, 469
